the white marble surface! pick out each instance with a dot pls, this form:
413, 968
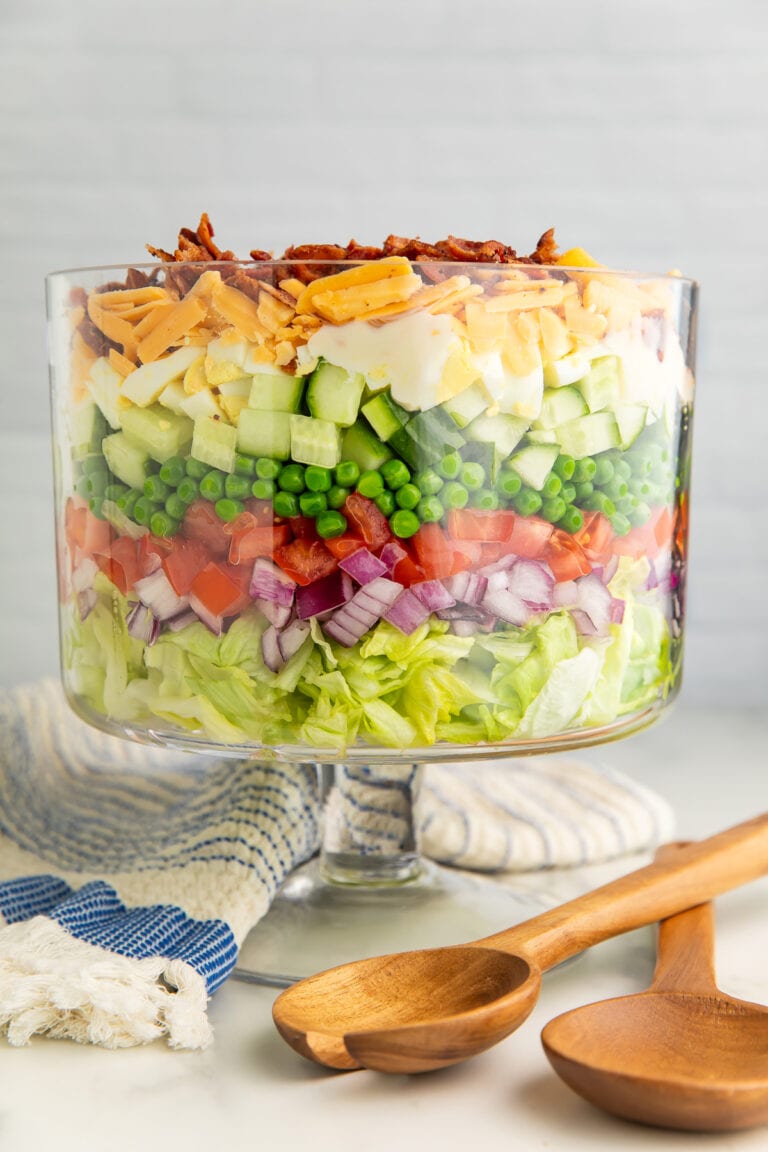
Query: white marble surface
249, 1090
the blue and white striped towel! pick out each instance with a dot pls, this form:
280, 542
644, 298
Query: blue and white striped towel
129, 876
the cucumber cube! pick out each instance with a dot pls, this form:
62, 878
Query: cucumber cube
567, 370
334, 394
315, 441
362, 446
214, 442
560, 405
385, 415
630, 420
467, 405
588, 435
264, 433
126, 461
504, 431
534, 463
275, 392
105, 384
87, 429
158, 431
601, 387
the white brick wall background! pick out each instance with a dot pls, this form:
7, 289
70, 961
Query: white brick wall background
638, 128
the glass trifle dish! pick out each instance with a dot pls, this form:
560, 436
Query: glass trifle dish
369, 508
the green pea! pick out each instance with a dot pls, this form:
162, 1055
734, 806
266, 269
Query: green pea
267, 469
386, 503
228, 509
291, 479
188, 490
196, 468
508, 484
237, 487
571, 520
454, 495
370, 484
175, 507
330, 523
312, 503
263, 489
450, 466
485, 499
395, 473
173, 470
115, 491
245, 465
346, 474
212, 485
407, 497
318, 479
404, 523
429, 510
337, 496
161, 524
286, 504
551, 486
527, 502
472, 476
564, 467
553, 509
583, 470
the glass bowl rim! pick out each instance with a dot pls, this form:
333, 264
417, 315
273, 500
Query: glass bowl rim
466, 265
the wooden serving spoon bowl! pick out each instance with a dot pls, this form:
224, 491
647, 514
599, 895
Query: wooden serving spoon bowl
415, 1011
681, 1055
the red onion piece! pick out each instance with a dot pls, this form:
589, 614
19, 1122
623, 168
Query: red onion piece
617, 611
367, 606
594, 599
268, 582
333, 629
277, 614
142, 624
533, 583
433, 594
270, 649
322, 595
507, 606
584, 623
156, 592
407, 612
391, 555
83, 575
292, 639
86, 602
176, 623
363, 566
465, 627
214, 623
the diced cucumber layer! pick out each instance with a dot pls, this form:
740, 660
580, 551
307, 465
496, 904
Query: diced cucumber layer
534, 463
630, 420
104, 384
588, 435
334, 394
360, 444
273, 392
214, 442
504, 431
158, 431
264, 433
315, 441
560, 405
385, 415
125, 460
428, 436
567, 370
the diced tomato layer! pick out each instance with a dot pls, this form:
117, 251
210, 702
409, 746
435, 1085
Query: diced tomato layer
152, 550
305, 560
343, 546
529, 537
367, 521
183, 564
261, 511
302, 527
566, 557
595, 537
406, 571
475, 524
220, 590
120, 563
467, 554
257, 541
201, 523
647, 539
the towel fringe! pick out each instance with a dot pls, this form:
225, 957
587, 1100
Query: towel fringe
52, 984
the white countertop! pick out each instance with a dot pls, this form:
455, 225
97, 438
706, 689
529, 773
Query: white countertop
250, 1091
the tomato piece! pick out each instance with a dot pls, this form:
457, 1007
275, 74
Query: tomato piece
201, 523
434, 552
219, 590
303, 527
120, 563
367, 521
467, 554
261, 510
476, 524
595, 537
153, 550
305, 560
529, 537
663, 528
343, 546
491, 551
566, 557
183, 564
257, 541
406, 571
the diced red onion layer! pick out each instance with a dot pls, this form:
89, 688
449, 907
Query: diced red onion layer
176, 623
156, 592
594, 599
533, 583
465, 627
617, 611
268, 582
468, 587
277, 614
507, 606
363, 566
367, 606
214, 623
292, 639
340, 634
322, 595
407, 612
565, 594
584, 623
433, 594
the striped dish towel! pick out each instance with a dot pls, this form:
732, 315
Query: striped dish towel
129, 876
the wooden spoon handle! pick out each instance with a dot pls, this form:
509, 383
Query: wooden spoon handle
685, 953
697, 872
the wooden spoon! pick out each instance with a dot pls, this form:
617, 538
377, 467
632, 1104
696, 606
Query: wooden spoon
681, 1055
414, 1011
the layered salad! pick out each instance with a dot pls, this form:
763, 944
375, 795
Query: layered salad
400, 498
